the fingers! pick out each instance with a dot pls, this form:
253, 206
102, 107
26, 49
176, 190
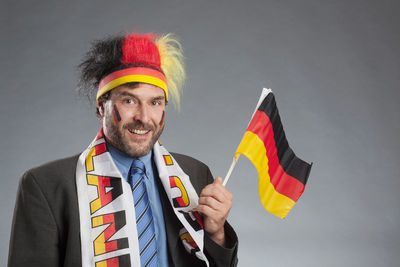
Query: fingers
213, 211
212, 203
217, 191
215, 200
209, 212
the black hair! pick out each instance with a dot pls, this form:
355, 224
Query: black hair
103, 58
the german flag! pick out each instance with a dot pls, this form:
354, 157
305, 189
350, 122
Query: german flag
282, 175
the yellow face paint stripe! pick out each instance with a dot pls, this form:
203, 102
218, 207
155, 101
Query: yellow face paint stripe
133, 78
253, 148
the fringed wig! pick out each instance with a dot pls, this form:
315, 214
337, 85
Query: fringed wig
144, 58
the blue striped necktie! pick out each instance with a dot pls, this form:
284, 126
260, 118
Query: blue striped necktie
144, 217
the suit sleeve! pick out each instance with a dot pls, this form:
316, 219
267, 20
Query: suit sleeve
34, 234
221, 256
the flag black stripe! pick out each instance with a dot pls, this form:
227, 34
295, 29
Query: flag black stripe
291, 164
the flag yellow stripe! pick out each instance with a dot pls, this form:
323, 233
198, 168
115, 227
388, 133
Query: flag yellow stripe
253, 148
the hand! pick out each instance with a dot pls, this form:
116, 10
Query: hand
215, 203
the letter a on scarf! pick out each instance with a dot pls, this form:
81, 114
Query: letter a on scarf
282, 175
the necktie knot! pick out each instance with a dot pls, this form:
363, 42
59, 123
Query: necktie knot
137, 167
136, 173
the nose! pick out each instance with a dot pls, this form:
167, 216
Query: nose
142, 114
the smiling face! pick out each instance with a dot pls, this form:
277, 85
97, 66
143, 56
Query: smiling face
133, 117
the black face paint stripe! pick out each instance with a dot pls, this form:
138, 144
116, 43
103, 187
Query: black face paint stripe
117, 113
162, 118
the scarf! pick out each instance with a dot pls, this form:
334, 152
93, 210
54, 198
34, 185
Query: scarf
107, 213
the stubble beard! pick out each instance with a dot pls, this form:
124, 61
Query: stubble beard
119, 140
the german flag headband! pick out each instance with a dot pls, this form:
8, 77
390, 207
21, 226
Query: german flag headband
135, 74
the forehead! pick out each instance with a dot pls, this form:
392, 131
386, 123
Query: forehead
138, 90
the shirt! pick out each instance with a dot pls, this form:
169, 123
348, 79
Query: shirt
123, 163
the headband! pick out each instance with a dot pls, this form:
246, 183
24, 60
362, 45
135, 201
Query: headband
136, 74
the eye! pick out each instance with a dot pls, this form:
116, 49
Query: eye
128, 101
156, 102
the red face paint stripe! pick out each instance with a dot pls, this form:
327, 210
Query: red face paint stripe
162, 118
282, 182
117, 116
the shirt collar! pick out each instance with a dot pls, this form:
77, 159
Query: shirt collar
124, 161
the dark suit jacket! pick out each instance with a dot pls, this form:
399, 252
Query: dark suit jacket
46, 232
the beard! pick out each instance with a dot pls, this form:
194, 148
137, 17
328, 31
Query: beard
120, 139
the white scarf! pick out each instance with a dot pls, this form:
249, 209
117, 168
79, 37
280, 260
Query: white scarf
107, 213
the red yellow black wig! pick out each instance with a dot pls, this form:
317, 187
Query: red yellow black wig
152, 59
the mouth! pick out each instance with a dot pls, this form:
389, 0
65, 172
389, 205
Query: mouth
139, 131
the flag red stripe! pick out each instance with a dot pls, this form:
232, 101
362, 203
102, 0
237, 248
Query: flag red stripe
282, 182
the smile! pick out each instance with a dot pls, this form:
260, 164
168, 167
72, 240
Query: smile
138, 131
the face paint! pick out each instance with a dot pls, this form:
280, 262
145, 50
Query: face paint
162, 118
117, 117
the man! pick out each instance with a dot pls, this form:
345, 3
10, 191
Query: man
125, 201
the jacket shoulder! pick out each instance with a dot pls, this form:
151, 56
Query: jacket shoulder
52, 175
58, 166
188, 160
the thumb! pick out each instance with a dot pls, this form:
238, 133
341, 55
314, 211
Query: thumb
218, 180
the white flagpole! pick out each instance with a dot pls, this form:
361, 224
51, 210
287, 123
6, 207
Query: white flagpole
235, 160
264, 93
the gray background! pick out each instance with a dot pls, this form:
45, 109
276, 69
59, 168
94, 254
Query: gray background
334, 68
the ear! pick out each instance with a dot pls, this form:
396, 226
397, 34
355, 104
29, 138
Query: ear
100, 108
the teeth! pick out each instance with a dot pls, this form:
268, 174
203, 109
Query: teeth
137, 131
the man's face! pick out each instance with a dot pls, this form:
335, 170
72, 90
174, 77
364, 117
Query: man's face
133, 117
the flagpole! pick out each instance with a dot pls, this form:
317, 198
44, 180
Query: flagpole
235, 160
